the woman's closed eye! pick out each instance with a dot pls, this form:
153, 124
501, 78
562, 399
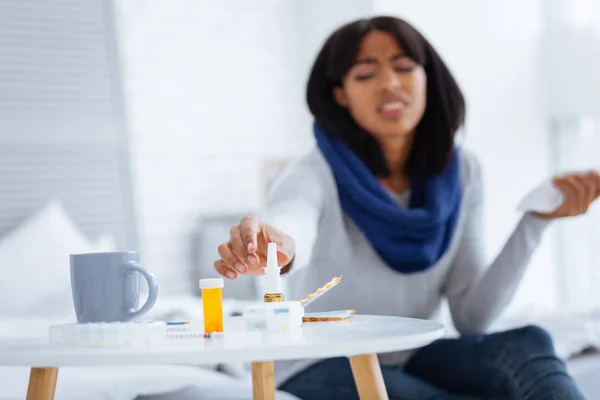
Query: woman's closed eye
404, 65
364, 72
363, 77
401, 67
404, 68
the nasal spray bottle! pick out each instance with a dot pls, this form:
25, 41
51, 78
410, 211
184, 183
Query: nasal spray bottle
273, 286
273, 314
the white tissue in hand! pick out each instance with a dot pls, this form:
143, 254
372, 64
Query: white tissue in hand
545, 198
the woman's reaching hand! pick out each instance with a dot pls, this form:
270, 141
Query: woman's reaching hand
246, 251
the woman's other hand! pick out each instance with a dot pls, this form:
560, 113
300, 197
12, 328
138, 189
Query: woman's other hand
579, 190
246, 251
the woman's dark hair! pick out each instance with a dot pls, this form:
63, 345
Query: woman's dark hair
444, 113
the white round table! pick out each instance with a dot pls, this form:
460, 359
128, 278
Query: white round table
360, 338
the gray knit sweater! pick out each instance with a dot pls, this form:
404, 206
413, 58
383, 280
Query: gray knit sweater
304, 203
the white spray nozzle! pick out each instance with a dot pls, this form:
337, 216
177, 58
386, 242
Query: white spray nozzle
272, 271
272, 266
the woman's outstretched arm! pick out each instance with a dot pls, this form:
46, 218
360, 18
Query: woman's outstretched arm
478, 293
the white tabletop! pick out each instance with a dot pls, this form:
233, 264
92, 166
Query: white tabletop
360, 334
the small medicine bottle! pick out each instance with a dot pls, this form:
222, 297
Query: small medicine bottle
273, 297
212, 303
273, 285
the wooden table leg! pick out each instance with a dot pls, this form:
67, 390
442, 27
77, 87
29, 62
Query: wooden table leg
263, 380
368, 378
42, 382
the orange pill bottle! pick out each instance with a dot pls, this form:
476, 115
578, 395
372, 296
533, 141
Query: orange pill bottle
212, 303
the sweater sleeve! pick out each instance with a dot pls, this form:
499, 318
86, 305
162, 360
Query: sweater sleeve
294, 207
476, 294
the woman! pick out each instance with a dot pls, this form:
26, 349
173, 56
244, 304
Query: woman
389, 201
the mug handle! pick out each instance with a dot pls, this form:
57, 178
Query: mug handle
152, 289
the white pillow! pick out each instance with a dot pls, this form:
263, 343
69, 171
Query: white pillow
34, 263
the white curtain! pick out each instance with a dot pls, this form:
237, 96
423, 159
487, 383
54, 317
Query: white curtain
576, 147
570, 72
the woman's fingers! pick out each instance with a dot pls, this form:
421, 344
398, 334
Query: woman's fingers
283, 258
588, 193
579, 203
569, 192
579, 190
250, 227
246, 250
230, 258
594, 178
236, 242
222, 268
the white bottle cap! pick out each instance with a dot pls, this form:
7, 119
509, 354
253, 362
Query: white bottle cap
272, 271
213, 283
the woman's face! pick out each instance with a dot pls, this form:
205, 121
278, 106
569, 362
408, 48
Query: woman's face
385, 90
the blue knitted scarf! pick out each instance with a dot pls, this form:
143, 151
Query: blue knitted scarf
408, 240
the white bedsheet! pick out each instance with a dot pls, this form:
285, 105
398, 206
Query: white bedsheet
585, 369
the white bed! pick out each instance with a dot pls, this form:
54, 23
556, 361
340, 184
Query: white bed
586, 371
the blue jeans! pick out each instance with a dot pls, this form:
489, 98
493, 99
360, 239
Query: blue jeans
516, 364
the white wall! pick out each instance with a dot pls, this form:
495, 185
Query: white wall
493, 48
209, 89
576, 146
571, 71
